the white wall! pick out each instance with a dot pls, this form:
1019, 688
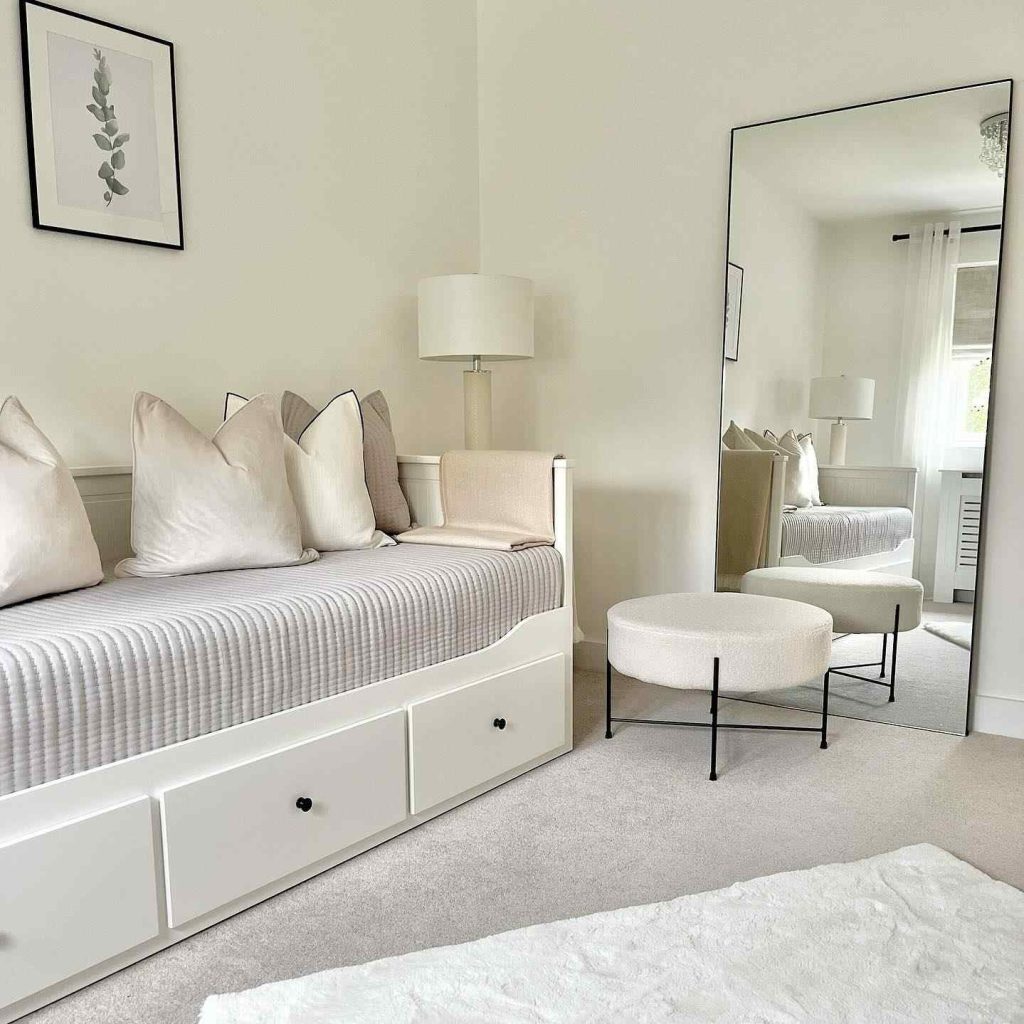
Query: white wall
328, 160
862, 286
776, 242
604, 132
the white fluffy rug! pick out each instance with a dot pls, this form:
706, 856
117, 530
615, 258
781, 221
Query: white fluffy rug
958, 633
912, 936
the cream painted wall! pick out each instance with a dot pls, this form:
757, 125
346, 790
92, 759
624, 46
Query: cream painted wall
328, 160
863, 282
777, 244
604, 132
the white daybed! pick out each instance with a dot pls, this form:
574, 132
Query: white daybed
161, 836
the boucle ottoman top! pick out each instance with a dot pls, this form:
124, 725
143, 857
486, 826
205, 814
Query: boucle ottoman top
859, 602
762, 643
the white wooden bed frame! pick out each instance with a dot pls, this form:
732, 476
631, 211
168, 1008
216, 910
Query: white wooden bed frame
101, 869
857, 486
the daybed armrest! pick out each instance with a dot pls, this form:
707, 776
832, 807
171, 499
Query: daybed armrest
868, 486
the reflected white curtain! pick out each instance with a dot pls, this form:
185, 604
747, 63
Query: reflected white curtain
924, 411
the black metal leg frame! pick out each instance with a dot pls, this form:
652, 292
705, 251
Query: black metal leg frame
714, 725
841, 670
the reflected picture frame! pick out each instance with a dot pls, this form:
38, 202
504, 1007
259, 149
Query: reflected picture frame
733, 310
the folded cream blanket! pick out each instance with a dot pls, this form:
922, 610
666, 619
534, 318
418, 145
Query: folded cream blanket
498, 500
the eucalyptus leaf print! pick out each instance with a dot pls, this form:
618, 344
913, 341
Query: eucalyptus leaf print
111, 139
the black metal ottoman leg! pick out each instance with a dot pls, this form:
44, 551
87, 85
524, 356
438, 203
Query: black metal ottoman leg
895, 641
714, 724
885, 645
824, 714
608, 701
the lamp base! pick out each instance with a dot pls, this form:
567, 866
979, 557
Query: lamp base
837, 444
477, 388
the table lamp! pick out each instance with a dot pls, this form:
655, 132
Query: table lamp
476, 317
841, 398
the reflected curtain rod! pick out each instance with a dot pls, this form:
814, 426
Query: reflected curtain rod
963, 231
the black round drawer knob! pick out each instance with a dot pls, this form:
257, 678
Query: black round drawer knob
500, 723
304, 803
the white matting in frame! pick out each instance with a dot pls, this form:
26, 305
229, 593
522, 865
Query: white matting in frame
102, 132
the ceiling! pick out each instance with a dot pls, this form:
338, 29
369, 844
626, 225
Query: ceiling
906, 156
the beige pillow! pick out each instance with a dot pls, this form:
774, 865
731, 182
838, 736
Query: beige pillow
737, 440
324, 460
761, 441
380, 460
46, 543
807, 446
202, 504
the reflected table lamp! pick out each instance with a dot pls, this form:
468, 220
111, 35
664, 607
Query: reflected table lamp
841, 398
476, 317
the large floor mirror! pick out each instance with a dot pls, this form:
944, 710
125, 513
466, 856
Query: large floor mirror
862, 289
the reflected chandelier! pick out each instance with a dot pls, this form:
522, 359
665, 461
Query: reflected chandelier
995, 131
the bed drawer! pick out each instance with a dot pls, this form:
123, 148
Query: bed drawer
228, 834
463, 738
74, 896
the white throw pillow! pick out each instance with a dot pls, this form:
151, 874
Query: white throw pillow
800, 481
811, 457
796, 493
201, 504
737, 440
46, 543
325, 472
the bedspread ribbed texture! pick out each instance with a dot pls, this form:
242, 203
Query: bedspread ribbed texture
95, 676
828, 533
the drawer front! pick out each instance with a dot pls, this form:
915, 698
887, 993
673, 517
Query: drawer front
74, 896
228, 834
455, 744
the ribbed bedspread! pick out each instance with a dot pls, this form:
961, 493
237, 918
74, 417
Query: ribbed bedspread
832, 532
98, 675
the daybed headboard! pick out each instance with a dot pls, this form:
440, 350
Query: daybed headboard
107, 494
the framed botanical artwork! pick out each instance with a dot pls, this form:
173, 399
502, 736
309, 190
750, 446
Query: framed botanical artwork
733, 306
102, 128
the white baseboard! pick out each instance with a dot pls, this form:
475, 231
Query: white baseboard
1001, 716
590, 655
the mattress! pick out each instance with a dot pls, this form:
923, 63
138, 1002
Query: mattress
132, 665
830, 533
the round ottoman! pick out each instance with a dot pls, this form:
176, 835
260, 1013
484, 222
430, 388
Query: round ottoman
719, 641
859, 602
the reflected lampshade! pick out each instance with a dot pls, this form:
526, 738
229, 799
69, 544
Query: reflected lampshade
845, 398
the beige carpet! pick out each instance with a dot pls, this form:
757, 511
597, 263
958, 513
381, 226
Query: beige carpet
931, 679
615, 823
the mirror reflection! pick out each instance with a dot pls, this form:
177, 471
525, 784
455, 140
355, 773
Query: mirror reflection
862, 288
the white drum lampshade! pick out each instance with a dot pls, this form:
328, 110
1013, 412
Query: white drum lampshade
841, 398
476, 317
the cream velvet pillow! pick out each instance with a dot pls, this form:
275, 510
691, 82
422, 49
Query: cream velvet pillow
324, 460
46, 543
737, 440
801, 481
204, 504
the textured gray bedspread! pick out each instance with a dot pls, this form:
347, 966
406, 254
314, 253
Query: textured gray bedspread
828, 533
133, 665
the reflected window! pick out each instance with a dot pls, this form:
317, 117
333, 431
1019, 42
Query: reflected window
974, 316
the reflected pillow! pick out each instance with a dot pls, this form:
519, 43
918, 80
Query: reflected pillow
736, 440
204, 504
46, 543
807, 446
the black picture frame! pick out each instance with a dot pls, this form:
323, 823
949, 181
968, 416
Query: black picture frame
733, 302
43, 216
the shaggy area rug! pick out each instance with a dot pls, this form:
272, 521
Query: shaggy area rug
910, 936
958, 633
